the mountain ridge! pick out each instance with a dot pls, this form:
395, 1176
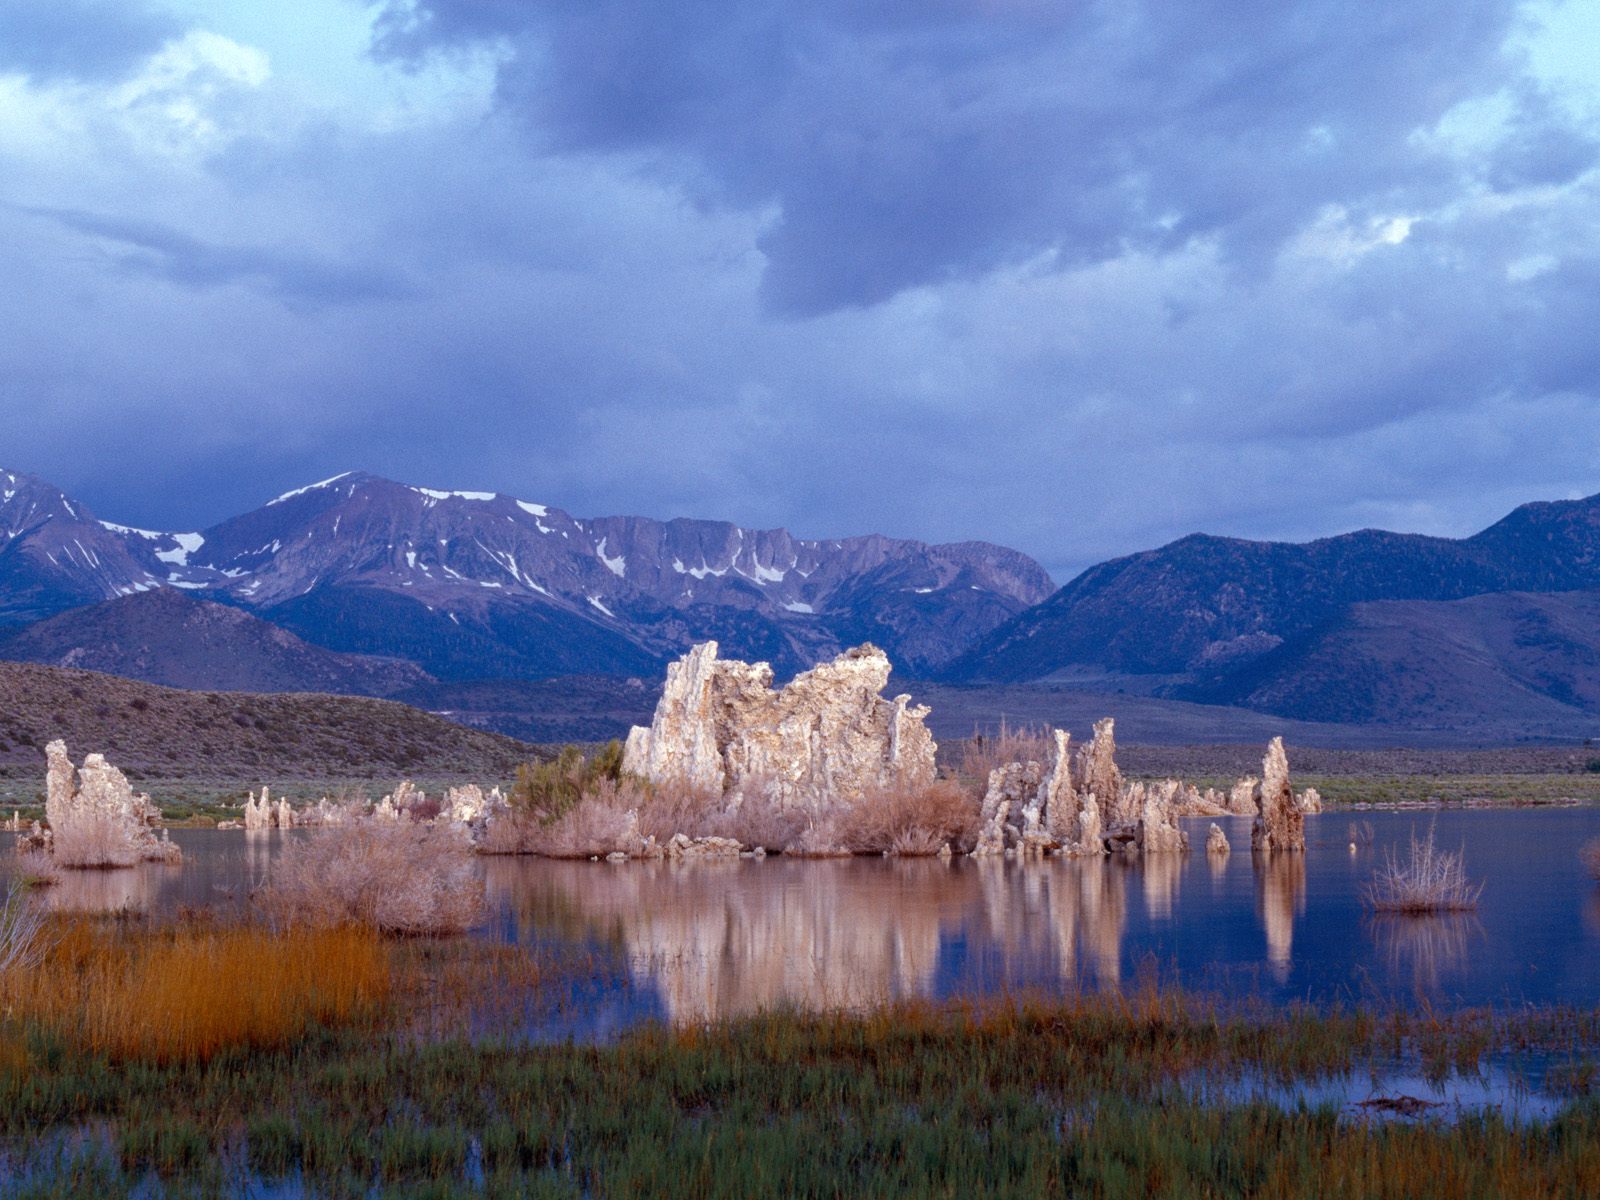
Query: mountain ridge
470, 584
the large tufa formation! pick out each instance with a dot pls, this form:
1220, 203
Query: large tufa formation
1097, 768
826, 737
1280, 822
95, 818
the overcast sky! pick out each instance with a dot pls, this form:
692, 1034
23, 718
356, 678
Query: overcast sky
1076, 277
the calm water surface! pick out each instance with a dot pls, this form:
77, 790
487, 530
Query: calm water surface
705, 939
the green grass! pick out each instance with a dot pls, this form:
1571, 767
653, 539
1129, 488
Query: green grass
1083, 1098
1444, 790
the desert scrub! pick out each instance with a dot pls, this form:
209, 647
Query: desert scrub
395, 876
1080, 1097
1428, 880
546, 791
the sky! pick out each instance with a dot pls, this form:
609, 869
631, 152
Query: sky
1076, 278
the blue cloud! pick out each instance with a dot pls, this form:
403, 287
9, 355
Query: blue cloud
905, 144
79, 39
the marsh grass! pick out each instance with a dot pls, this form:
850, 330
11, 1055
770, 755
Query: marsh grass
1082, 1096
1427, 880
188, 992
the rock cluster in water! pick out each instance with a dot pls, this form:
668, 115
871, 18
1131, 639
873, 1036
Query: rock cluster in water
1082, 805
95, 818
825, 738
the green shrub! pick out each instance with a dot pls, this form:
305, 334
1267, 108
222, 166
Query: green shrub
547, 791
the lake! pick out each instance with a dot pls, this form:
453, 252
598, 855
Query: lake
703, 939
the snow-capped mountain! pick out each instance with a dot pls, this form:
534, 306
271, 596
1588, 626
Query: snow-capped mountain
471, 584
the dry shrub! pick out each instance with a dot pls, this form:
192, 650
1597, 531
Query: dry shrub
901, 821
600, 822
1429, 880
1589, 855
95, 839
757, 820
984, 752
670, 807
21, 929
35, 869
187, 992
392, 876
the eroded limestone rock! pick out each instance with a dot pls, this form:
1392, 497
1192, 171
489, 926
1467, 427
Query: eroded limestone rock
1216, 840
827, 737
257, 811
96, 819
1012, 789
1310, 801
1156, 831
1100, 778
1280, 822
1242, 797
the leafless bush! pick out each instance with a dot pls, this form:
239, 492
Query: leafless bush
917, 842
425, 808
1589, 855
1429, 880
983, 752
819, 839
1362, 833
394, 876
756, 821
901, 821
21, 928
94, 838
666, 807
35, 868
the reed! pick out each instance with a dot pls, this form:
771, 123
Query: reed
1081, 1096
189, 992
1428, 880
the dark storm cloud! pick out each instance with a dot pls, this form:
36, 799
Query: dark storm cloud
908, 143
1079, 279
78, 39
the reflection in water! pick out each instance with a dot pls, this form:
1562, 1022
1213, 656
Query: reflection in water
1218, 865
120, 889
1280, 897
719, 938
700, 939
1425, 948
1161, 873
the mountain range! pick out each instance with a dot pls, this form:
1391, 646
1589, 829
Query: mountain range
1367, 627
512, 615
468, 585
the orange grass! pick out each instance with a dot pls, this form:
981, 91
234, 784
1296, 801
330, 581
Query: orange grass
185, 992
